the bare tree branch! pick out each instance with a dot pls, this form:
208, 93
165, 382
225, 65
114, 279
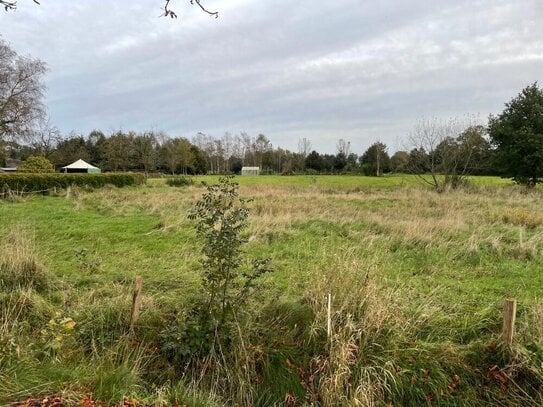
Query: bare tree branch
12, 5
211, 13
168, 12
8, 5
21, 93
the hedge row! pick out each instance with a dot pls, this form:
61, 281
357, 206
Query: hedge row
46, 182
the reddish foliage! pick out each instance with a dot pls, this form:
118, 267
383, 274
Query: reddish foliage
495, 373
50, 401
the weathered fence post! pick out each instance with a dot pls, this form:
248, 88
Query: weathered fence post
509, 316
136, 302
329, 317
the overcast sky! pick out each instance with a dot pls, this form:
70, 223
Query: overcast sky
361, 70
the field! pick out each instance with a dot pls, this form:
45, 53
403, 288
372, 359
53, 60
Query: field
417, 279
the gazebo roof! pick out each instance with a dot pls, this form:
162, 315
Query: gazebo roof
80, 165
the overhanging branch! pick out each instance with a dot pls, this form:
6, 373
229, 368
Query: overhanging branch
168, 12
12, 5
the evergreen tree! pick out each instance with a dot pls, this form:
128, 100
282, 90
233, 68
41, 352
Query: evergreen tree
517, 134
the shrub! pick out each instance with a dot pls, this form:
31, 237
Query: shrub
36, 165
46, 182
220, 217
179, 181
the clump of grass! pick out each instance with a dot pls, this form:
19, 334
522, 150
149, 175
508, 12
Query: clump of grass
522, 217
19, 264
362, 315
532, 328
102, 317
179, 181
118, 371
181, 393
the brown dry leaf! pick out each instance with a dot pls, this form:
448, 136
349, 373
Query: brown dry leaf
290, 399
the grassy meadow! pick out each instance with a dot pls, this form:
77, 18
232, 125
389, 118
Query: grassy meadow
417, 279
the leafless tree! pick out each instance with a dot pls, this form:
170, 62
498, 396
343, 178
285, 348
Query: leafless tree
440, 155
45, 137
304, 148
21, 93
343, 147
248, 149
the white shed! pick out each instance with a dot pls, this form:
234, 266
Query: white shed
250, 171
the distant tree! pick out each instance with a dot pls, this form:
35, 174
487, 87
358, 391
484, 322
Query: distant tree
199, 163
145, 149
328, 162
304, 148
442, 157
36, 164
399, 162
375, 160
352, 163
314, 161
343, 147
340, 162
517, 134
69, 150
21, 93
474, 144
418, 161
168, 155
262, 146
118, 151
3, 154
96, 142
184, 154
235, 165
44, 138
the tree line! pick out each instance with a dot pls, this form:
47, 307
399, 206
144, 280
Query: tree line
510, 144
153, 152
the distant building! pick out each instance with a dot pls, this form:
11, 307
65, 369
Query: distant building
11, 165
81, 166
250, 171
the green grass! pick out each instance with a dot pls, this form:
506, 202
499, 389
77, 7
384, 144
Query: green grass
339, 182
439, 266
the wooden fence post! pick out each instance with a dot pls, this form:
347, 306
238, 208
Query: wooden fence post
329, 317
509, 316
136, 302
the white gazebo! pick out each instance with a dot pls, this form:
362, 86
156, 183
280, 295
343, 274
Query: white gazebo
82, 166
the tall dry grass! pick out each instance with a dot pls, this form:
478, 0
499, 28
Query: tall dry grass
19, 264
361, 313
